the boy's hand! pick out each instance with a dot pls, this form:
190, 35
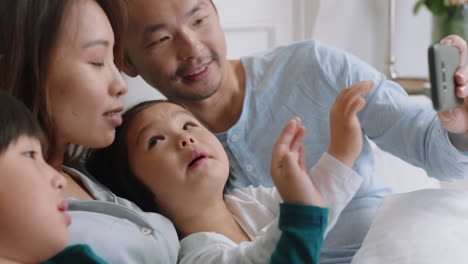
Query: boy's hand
288, 167
345, 129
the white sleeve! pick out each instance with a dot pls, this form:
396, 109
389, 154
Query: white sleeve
212, 248
268, 197
337, 183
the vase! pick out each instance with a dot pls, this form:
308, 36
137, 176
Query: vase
453, 21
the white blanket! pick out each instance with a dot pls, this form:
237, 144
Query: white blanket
420, 227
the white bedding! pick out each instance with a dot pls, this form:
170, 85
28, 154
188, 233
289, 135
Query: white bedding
420, 227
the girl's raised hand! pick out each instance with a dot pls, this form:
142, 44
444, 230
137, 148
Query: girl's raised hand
345, 128
288, 167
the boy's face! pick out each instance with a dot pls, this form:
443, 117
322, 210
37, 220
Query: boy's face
33, 221
177, 46
176, 157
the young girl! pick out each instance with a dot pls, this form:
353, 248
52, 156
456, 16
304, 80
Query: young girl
31, 232
58, 59
167, 161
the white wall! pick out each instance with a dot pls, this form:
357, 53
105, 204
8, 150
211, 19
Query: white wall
361, 27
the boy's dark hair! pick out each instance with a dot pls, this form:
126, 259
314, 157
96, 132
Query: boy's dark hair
110, 165
16, 121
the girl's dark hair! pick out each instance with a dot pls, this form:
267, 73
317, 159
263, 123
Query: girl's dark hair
28, 32
110, 165
16, 121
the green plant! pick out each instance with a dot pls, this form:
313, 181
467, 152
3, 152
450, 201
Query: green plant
438, 7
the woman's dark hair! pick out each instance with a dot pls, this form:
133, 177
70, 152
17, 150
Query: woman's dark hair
16, 121
28, 32
110, 165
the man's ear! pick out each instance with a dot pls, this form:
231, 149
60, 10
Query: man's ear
128, 68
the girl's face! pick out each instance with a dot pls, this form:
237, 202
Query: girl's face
83, 83
176, 157
33, 221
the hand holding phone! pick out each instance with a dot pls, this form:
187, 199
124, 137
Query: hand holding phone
443, 64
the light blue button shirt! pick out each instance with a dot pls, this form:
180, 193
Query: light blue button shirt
117, 230
303, 80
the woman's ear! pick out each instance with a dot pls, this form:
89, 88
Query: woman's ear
128, 67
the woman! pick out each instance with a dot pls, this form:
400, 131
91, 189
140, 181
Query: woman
58, 58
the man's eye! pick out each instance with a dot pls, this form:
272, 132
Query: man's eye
159, 41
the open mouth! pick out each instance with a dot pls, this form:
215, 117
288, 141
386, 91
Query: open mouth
197, 160
197, 74
203, 68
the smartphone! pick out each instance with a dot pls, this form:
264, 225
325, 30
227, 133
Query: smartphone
443, 63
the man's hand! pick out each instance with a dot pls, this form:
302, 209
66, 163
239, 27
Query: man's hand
345, 129
456, 120
288, 167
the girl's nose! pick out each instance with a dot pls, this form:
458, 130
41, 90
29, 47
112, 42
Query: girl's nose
185, 142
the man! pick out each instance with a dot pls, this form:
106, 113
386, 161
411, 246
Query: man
178, 46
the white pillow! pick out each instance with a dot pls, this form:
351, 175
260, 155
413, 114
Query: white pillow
420, 227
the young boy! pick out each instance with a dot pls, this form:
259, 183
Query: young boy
33, 222
165, 160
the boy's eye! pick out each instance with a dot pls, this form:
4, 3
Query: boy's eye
30, 154
188, 125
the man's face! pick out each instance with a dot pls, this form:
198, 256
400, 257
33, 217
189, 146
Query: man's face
177, 46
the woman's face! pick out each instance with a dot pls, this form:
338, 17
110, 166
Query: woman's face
83, 84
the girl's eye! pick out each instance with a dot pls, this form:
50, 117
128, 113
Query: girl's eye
188, 125
153, 141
